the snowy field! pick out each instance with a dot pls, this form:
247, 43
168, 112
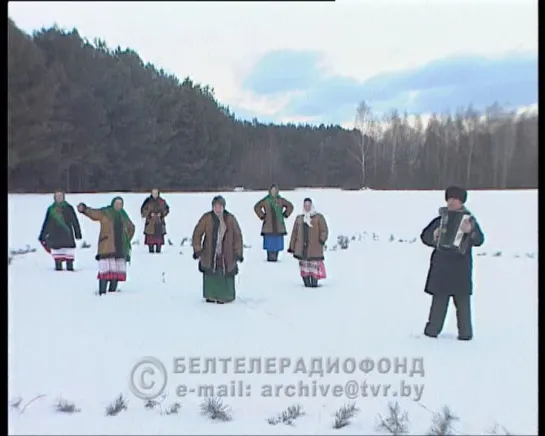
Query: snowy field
67, 343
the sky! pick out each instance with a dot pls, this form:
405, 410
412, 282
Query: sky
313, 62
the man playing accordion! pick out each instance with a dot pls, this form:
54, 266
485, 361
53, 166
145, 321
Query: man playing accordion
452, 235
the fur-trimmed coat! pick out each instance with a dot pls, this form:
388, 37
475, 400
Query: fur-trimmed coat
271, 224
204, 242
307, 243
110, 238
154, 210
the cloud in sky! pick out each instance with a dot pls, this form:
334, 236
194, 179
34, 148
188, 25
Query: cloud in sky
284, 71
282, 60
441, 85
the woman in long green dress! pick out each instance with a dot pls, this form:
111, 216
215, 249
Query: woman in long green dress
217, 244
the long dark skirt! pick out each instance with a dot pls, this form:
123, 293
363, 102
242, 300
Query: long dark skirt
219, 288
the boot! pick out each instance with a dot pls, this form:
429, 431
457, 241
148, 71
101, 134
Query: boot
306, 281
113, 286
269, 256
274, 256
58, 265
157, 248
102, 286
210, 300
150, 248
313, 282
69, 265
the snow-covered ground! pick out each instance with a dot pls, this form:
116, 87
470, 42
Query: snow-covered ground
67, 343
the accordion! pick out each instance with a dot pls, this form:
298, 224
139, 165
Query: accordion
451, 237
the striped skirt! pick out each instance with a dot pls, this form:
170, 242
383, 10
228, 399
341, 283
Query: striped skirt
63, 254
112, 269
313, 268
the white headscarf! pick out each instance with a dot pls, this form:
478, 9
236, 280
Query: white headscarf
307, 216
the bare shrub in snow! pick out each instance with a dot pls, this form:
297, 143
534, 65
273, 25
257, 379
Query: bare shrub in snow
213, 408
184, 241
119, 405
21, 251
344, 415
65, 406
498, 430
443, 423
396, 423
152, 404
15, 403
173, 409
343, 242
497, 254
287, 416
85, 244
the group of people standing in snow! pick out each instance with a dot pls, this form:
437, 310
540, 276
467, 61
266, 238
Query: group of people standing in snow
217, 239
61, 229
308, 236
218, 246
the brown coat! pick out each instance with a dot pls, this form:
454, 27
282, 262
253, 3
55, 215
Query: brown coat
107, 237
307, 243
271, 224
158, 206
204, 244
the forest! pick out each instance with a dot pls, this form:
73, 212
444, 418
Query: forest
85, 117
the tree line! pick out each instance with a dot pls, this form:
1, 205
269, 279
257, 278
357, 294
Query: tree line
84, 117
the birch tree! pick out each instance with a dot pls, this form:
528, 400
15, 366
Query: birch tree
365, 125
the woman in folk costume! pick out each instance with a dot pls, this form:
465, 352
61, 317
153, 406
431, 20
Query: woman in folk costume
308, 237
217, 243
272, 210
59, 231
114, 243
154, 210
